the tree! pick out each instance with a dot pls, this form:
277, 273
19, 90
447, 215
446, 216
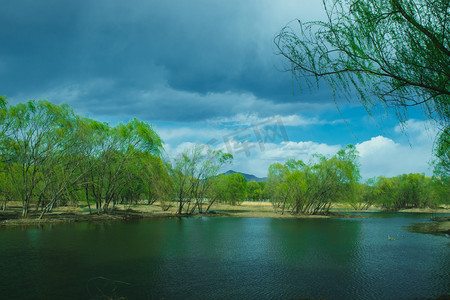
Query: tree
35, 130
440, 189
146, 177
234, 188
193, 174
63, 172
365, 195
395, 53
332, 180
4, 120
7, 187
277, 187
5, 184
442, 152
254, 191
311, 188
160, 185
407, 191
115, 149
49, 155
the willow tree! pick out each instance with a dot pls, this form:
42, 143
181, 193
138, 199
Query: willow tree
231, 188
160, 184
254, 191
442, 168
395, 53
312, 188
442, 151
4, 124
36, 129
286, 185
193, 175
115, 149
65, 170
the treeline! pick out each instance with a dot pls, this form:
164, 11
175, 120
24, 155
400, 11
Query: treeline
403, 191
297, 187
311, 188
49, 157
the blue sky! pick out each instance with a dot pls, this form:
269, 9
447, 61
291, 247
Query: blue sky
202, 72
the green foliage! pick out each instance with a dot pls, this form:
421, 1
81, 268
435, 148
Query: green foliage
395, 53
391, 54
51, 156
117, 170
35, 137
440, 191
3, 114
312, 188
254, 191
7, 190
408, 191
232, 188
277, 187
442, 152
193, 174
3, 102
296, 187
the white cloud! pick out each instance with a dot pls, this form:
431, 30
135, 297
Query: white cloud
406, 152
255, 158
242, 119
383, 156
261, 158
173, 152
418, 131
379, 156
175, 135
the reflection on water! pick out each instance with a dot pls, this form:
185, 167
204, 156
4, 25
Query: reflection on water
226, 258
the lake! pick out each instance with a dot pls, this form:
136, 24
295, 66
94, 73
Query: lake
226, 258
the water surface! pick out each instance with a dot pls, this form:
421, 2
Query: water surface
226, 258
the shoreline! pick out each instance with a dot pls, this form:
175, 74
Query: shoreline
71, 214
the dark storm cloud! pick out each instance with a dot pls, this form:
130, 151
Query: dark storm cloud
168, 60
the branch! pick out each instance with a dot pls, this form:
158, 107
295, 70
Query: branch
410, 19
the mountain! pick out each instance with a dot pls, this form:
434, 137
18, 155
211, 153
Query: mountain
248, 177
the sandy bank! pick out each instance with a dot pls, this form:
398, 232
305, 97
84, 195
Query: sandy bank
70, 214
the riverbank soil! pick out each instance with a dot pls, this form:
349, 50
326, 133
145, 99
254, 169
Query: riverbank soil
440, 226
66, 214
248, 209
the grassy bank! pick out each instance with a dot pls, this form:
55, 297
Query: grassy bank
68, 214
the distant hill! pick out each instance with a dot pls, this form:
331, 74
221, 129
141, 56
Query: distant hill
248, 177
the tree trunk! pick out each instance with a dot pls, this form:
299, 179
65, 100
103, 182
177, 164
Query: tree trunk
25, 206
284, 205
180, 206
200, 206
43, 212
87, 199
209, 205
189, 206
